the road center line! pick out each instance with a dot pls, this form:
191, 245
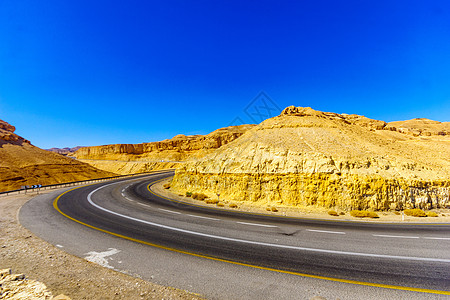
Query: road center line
396, 236
325, 231
255, 224
89, 198
170, 211
201, 217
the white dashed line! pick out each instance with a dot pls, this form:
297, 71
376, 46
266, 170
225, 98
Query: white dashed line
396, 236
325, 231
254, 224
201, 217
143, 204
170, 211
436, 238
59, 246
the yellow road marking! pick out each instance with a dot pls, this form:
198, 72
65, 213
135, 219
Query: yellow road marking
379, 285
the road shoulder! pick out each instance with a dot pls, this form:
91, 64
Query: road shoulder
63, 273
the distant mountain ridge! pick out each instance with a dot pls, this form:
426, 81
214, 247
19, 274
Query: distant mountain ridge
67, 151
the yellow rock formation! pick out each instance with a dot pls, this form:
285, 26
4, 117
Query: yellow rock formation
308, 157
137, 158
24, 164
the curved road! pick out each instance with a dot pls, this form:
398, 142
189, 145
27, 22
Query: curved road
392, 260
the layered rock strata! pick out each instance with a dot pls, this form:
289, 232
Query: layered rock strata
136, 158
306, 157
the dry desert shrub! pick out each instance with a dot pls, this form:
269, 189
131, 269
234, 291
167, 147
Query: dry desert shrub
397, 213
166, 186
342, 213
188, 194
233, 205
363, 214
415, 212
432, 214
274, 209
199, 196
211, 201
220, 204
333, 213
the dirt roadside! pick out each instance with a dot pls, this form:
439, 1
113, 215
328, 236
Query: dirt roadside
63, 273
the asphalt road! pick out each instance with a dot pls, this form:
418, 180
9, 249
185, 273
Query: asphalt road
232, 255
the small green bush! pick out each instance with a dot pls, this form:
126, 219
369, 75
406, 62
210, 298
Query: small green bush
274, 209
220, 204
342, 213
415, 212
188, 194
363, 214
397, 213
233, 205
432, 214
333, 213
199, 196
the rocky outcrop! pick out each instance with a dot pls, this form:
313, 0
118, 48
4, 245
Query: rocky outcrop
16, 286
7, 134
308, 157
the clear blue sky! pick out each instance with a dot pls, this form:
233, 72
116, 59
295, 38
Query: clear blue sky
101, 72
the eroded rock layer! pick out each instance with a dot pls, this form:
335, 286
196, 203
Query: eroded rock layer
308, 157
136, 158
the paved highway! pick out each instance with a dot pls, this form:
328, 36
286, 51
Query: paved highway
232, 255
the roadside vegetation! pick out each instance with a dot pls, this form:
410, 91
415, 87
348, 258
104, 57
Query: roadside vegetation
363, 214
415, 212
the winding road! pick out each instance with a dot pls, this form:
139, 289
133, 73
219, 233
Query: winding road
225, 254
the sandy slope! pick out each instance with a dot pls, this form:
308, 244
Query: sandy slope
21, 163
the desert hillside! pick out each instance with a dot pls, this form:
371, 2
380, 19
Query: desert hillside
136, 158
307, 157
24, 164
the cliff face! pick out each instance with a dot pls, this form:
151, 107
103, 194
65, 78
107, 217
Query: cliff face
307, 157
24, 164
135, 158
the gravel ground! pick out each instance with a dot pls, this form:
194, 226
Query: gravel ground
63, 273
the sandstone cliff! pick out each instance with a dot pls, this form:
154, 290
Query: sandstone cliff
24, 164
136, 158
308, 157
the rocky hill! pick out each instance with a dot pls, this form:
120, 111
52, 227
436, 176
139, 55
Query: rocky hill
24, 164
422, 127
135, 158
307, 157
